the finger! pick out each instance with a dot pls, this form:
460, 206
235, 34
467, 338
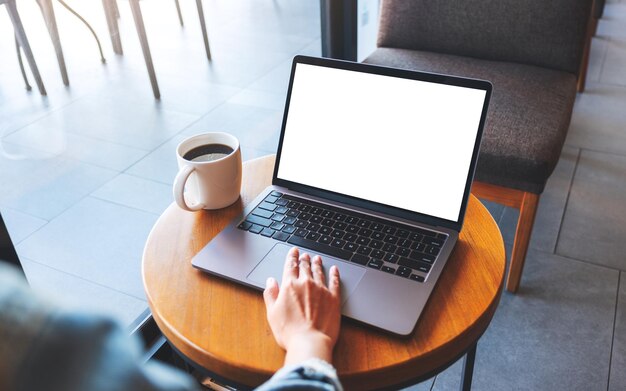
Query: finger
305, 267
290, 271
334, 285
271, 292
318, 270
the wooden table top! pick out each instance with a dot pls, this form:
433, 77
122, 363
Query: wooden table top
222, 326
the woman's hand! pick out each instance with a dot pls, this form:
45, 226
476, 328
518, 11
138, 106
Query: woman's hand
304, 314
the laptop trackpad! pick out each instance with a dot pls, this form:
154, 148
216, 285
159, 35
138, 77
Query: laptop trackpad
273, 263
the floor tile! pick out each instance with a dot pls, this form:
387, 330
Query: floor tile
612, 22
44, 188
597, 57
267, 100
276, 81
191, 95
554, 334
551, 206
78, 294
313, 49
255, 127
613, 67
495, 209
97, 241
598, 119
593, 225
235, 66
106, 119
617, 380
423, 386
137, 193
56, 141
20, 225
160, 165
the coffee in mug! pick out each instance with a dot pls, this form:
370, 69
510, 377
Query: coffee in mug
209, 174
208, 153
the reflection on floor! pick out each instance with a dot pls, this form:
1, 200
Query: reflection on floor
86, 172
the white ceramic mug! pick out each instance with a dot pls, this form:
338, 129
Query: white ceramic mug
211, 180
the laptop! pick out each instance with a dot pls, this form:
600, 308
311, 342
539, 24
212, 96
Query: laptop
373, 173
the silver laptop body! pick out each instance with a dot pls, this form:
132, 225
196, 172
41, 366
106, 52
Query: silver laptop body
373, 172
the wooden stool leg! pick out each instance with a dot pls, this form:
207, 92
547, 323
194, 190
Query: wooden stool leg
51, 24
524, 229
143, 39
109, 12
20, 34
204, 32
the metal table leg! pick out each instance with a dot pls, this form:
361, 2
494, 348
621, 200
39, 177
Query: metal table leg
468, 369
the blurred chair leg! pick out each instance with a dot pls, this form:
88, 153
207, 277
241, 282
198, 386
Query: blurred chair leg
143, 39
67, 7
51, 24
582, 73
203, 25
23, 41
180, 15
109, 12
116, 10
19, 59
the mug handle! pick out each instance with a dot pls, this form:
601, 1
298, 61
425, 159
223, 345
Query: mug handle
179, 189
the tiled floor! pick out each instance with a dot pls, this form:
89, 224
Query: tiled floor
86, 172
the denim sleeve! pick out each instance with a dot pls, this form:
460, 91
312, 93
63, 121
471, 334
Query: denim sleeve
312, 374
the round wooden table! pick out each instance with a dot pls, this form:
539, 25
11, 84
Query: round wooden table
221, 326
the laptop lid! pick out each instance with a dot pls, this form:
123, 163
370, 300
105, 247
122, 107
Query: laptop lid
398, 142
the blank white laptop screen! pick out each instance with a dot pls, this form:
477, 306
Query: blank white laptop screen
399, 142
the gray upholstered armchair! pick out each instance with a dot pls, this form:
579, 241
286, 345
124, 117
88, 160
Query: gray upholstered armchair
531, 51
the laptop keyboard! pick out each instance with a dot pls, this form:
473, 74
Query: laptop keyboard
393, 248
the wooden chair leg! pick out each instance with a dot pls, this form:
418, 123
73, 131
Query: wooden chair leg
525, 223
143, 39
19, 59
594, 27
51, 24
109, 12
584, 64
180, 15
116, 10
204, 32
20, 34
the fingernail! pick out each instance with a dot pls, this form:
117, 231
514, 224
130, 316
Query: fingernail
269, 281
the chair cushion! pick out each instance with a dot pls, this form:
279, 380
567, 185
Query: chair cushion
529, 113
545, 33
